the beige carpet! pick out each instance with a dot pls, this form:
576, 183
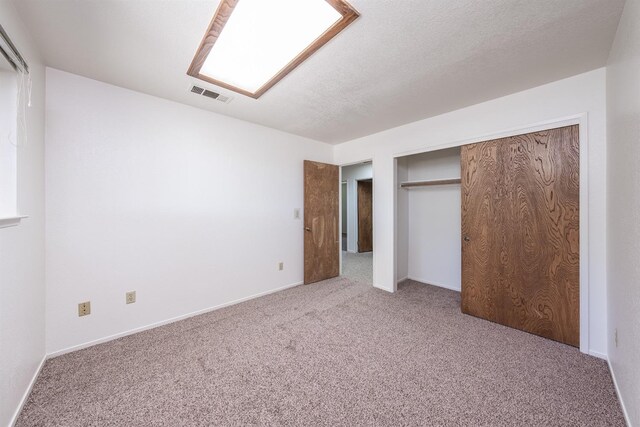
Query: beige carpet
358, 266
337, 353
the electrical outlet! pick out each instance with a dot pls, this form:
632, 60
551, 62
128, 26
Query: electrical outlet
131, 297
615, 336
84, 308
281, 266
296, 213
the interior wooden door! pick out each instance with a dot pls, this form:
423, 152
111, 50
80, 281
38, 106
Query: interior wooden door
321, 215
520, 231
365, 216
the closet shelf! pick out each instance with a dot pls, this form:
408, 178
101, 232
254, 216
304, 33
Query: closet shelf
409, 184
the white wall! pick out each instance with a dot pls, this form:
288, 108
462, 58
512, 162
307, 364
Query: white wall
22, 302
584, 93
189, 208
434, 253
623, 203
351, 175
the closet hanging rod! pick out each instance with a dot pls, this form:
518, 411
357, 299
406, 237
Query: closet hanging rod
410, 184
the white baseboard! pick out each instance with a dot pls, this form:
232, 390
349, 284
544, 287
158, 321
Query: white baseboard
165, 322
598, 354
402, 279
432, 283
615, 385
384, 289
27, 392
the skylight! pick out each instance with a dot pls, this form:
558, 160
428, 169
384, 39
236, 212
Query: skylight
252, 44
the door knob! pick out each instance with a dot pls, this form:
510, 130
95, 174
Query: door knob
307, 229
467, 238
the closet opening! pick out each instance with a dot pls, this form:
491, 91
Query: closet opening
498, 221
428, 218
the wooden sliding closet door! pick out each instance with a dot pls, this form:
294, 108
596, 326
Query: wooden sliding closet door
520, 231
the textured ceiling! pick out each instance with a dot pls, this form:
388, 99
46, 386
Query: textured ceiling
401, 61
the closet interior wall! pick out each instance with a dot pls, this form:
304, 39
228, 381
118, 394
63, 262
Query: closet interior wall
402, 221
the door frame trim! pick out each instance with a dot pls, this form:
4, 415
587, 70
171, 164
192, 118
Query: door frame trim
582, 120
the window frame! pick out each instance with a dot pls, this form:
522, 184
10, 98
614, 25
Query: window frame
9, 51
220, 18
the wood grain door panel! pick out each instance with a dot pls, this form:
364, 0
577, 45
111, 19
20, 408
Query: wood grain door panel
520, 228
321, 216
365, 216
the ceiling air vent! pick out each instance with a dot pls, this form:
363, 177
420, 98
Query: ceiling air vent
210, 94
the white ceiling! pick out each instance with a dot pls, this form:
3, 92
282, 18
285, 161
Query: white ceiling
401, 61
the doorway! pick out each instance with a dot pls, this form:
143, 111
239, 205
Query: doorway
365, 215
357, 222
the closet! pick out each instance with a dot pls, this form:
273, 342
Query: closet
519, 229
428, 218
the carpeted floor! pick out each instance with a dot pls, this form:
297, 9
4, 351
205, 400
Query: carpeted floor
337, 353
358, 267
